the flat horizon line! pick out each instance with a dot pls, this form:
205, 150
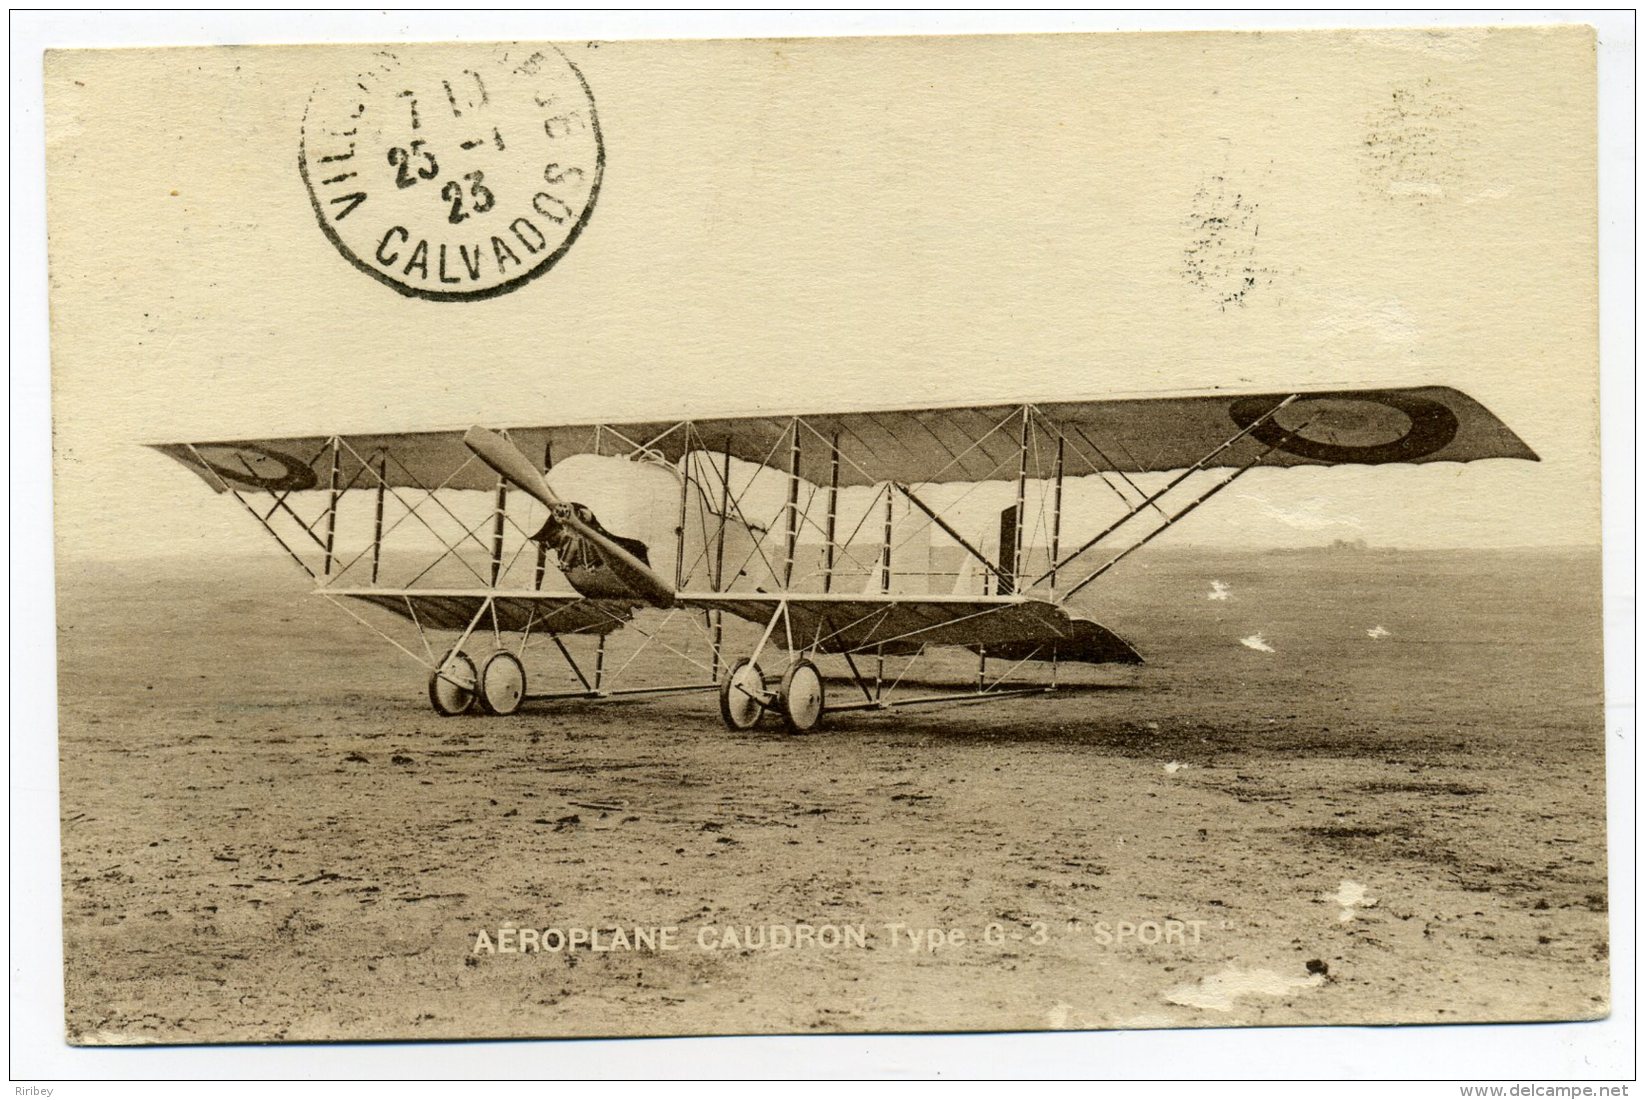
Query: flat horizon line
1518, 548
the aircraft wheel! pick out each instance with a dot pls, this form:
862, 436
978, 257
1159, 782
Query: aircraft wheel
502, 684
742, 694
451, 686
801, 697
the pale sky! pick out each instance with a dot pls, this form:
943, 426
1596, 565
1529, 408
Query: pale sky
795, 225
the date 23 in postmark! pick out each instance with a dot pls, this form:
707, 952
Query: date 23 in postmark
454, 176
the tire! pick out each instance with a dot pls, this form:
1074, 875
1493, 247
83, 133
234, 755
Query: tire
502, 685
801, 697
446, 693
742, 695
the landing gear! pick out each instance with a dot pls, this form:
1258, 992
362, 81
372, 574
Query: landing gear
742, 695
800, 698
502, 684
451, 686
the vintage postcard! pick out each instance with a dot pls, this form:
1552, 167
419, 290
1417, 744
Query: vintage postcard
643, 538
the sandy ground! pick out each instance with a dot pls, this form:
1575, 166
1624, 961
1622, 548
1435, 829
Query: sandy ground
268, 835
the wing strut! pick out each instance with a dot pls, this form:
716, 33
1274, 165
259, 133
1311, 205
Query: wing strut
1174, 482
833, 510
948, 530
1172, 519
235, 493
791, 512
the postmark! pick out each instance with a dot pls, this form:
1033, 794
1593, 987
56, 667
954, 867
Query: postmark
454, 176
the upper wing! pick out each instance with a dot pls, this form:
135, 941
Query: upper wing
1011, 627
923, 446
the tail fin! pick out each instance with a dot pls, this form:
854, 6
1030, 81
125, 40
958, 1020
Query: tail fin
1008, 551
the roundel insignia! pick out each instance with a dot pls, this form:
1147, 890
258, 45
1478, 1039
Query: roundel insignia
1362, 427
258, 467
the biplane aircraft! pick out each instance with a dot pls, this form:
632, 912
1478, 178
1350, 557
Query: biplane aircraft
856, 541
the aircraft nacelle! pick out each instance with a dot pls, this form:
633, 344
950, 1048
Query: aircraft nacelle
624, 498
642, 505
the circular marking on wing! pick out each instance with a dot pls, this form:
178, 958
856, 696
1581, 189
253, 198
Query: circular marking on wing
453, 173
1363, 427
258, 467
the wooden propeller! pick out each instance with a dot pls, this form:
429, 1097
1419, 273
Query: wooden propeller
501, 455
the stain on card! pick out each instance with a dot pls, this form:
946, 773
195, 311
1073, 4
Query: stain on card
1416, 144
1223, 254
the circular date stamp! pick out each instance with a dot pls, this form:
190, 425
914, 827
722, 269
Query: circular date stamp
454, 173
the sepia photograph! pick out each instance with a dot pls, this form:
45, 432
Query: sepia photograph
735, 536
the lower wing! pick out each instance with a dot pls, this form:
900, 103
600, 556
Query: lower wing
1009, 627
